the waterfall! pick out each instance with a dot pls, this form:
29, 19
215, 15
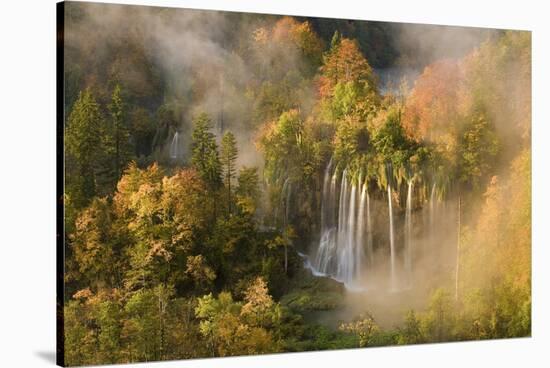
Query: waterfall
325, 250
360, 230
392, 245
432, 214
340, 252
370, 253
346, 265
174, 146
285, 199
326, 204
408, 230
342, 211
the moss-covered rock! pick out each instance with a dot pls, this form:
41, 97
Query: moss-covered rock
310, 293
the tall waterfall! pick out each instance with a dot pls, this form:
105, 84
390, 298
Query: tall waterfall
432, 212
286, 192
392, 240
174, 146
408, 230
340, 253
360, 228
370, 251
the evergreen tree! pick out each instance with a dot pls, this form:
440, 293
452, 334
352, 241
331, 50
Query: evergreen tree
82, 149
228, 159
120, 146
205, 157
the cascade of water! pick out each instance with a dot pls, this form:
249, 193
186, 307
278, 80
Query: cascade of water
408, 229
284, 201
325, 199
432, 213
324, 255
359, 250
392, 245
342, 212
345, 272
370, 253
332, 200
174, 146
340, 250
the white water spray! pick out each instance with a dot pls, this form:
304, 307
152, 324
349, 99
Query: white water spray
408, 231
392, 240
174, 146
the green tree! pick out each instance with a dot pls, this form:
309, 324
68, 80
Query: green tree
228, 331
119, 138
411, 332
248, 192
80, 341
228, 160
82, 149
109, 320
439, 322
205, 157
140, 331
478, 149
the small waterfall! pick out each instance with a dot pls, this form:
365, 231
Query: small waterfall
432, 212
392, 243
326, 204
174, 150
408, 230
285, 199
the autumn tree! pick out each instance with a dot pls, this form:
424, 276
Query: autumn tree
364, 327
344, 63
165, 216
431, 110
93, 246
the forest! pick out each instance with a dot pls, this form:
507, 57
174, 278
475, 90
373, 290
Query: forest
240, 184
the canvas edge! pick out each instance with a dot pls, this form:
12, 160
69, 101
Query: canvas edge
60, 222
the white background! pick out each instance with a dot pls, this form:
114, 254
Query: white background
27, 182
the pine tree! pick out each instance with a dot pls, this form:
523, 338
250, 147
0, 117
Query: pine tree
205, 156
82, 149
228, 159
119, 133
